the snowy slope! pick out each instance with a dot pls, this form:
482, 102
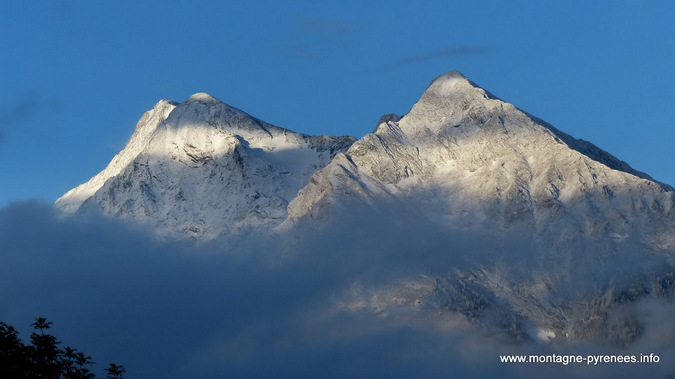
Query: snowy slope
73, 199
475, 158
204, 169
576, 239
573, 239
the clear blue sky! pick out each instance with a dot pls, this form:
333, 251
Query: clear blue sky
75, 76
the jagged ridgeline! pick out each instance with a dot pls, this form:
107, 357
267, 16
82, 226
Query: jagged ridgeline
204, 169
460, 159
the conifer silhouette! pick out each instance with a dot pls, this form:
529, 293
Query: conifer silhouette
43, 358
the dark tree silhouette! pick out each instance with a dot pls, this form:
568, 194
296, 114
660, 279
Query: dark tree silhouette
115, 371
43, 358
14, 357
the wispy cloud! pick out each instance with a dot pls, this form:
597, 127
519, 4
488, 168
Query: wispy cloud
23, 108
448, 52
326, 27
317, 37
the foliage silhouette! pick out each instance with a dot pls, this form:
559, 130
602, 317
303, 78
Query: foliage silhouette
44, 358
115, 371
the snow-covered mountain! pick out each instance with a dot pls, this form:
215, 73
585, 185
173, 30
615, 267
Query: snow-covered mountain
599, 234
475, 158
204, 169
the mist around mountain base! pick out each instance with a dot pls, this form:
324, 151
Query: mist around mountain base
386, 291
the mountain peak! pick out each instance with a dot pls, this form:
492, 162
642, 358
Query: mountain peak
447, 83
202, 97
453, 75
454, 84
450, 100
165, 103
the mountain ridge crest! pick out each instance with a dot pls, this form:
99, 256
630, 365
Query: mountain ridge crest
477, 152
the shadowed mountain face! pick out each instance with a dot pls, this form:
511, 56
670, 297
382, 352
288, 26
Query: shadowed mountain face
574, 233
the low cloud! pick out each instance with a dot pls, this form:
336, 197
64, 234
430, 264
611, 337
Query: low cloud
253, 309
